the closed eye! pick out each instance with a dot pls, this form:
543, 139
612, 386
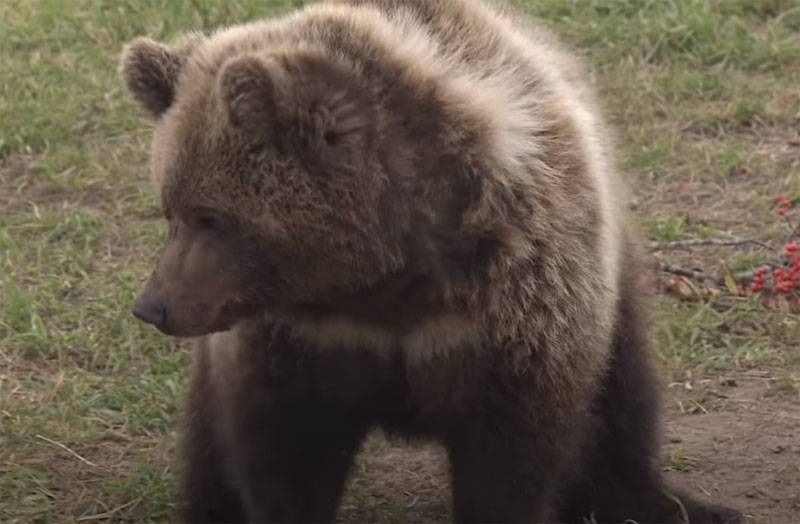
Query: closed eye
207, 222
211, 220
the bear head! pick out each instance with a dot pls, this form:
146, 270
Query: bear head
288, 181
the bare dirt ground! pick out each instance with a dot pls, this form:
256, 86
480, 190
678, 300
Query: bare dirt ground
394, 481
737, 440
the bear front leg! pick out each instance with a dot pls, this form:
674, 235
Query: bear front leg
292, 460
291, 423
500, 479
510, 457
205, 485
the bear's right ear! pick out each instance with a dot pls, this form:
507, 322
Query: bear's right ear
151, 71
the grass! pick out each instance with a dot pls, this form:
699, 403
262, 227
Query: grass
678, 461
694, 88
706, 339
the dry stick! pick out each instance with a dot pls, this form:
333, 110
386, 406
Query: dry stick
744, 277
68, 450
688, 273
682, 244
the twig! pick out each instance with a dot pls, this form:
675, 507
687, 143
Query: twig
683, 244
744, 277
68, 450
679, 503
699, 406
701, 488
688, 273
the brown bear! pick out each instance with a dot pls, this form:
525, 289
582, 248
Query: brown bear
400, 214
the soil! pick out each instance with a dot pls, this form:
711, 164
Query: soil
741, 438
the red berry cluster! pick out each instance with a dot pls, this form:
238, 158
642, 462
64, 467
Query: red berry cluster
783, 204
787, 280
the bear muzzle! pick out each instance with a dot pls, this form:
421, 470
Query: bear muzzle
151, 309
188, 320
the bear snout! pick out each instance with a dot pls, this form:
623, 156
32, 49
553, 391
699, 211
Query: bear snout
152, 310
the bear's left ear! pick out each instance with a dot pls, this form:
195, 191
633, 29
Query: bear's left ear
151, 70
306, 94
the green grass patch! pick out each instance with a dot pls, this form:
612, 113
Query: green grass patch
722, 336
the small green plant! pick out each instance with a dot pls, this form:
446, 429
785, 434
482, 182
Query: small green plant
669, 229
679, 461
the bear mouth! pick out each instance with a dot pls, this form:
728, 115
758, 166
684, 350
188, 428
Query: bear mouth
223, 319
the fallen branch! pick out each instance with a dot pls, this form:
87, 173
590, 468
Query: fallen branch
743, 277
685, 244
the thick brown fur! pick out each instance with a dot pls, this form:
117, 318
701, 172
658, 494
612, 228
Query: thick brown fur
399, 213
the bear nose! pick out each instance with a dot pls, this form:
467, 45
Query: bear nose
151, 310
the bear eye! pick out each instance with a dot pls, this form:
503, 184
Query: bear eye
207, 221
